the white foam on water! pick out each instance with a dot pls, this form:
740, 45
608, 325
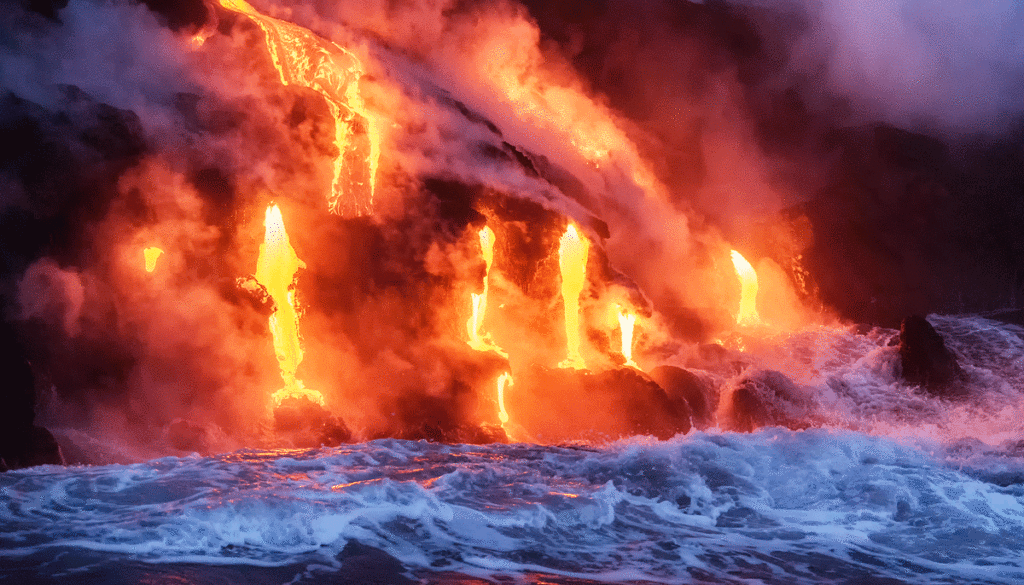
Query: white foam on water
893, 484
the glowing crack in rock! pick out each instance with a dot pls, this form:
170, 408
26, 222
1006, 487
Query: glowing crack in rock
572, 261
748, 290
479, 340
275, 270
305, 59
151, 255
199, 39
627, 321
504, 381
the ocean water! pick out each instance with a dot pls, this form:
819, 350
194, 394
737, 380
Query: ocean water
886, 485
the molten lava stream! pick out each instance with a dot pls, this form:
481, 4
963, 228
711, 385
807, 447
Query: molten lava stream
572, 261
151, 255
504, 381
626, 322
748, 291
275, 270
479, 340
307, 60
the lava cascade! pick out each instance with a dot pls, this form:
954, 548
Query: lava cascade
514, 163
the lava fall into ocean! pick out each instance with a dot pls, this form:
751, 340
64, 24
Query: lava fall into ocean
501, 291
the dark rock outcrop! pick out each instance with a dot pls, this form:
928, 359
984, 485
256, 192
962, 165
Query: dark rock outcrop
448, 413
439, 419
22, 444
765, 398
926, 361
685, 385
553, 404
365, 564
303, 423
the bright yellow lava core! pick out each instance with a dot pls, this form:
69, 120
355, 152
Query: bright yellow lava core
572, 261
748, 290
151, 255
275, 270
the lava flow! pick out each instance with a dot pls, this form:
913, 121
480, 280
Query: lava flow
302, 58
627, 321
478, 339
275, 270
572, 261
151, 255
504, 381
748, 290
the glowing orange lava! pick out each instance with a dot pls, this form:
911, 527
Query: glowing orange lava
304, 59
748, 290
479, 340
151, 254
275, 270
199, 39
504, 381
546, 101
572, 261
626, 322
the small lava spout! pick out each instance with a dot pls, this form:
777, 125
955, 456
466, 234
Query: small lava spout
151, 254
748, 290
199, 39
275, 270
572, 260
626, 322
307, 60
504, 381
479, 340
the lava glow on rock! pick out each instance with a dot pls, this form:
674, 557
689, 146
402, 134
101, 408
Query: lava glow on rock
471, 197
444, 291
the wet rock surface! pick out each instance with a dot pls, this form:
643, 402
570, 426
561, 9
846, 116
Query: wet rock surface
765, 398
22, 443
685, 385
307, 424
562, 404
926, 361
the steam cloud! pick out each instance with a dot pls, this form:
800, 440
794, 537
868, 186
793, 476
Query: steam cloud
931, 65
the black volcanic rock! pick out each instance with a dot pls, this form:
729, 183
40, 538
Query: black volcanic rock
179, 14
906, 225
63, 167
925, 359
555, 404
22, 444
648, 408
438, 419
685, 385
765, 398
28, 447
303, 423
364, 565
47, 8
447, 413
